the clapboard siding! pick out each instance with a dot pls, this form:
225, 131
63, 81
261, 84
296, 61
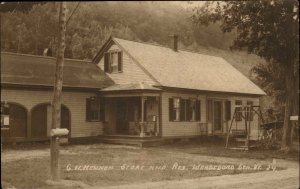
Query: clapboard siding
132, 73
74, 101
185, 128
172, 129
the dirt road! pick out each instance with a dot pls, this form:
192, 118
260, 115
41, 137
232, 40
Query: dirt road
287, 179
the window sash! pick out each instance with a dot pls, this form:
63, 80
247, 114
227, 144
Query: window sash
249, 112
176, 109
197, 110
184, 109
239, 110
93, 110
227, 110
209, 110
113, 61
192, 109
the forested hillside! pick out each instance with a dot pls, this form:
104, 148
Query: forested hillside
94, 22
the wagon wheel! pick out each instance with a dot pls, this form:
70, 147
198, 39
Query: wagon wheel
266, 139
275, 138
270, 138
279, 133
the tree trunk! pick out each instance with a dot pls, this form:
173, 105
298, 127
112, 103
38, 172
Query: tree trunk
285, 143
295, 107
57, 91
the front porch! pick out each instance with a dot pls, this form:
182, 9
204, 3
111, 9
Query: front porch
133, 114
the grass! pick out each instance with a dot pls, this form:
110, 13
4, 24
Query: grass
215, 147
32, 173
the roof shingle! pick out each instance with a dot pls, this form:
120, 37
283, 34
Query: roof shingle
38, 70
190, 70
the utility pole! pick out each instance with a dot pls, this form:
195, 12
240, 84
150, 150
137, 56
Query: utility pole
57, 92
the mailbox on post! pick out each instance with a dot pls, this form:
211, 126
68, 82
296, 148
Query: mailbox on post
294, 118
59, 132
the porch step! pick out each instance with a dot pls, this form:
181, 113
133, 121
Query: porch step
242, 148
238, 132
136, 137
241, 139
141, 142
239, 148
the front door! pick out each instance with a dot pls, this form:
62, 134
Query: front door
17, 121
121, 117
217, 120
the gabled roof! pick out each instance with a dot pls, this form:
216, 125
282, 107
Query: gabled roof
185, 69
34, 70
131, 87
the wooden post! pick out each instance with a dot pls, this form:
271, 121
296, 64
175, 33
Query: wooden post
142, 117
160, 115
246, 117
28, 125
57, 93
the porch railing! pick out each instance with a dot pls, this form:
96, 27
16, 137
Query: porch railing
148, 128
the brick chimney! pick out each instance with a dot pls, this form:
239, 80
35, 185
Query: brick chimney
175, 45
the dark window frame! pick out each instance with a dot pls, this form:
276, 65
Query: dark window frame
197, 110
94, 109
227, 110
249, 112
198, 114
209, 110
191, 109
239, 113
108, 61
175, 109
182, 111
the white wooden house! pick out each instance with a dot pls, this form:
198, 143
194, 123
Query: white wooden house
129, 89
185, 93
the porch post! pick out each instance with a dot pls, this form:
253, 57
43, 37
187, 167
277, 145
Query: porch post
159, 117
142, 134
28, 125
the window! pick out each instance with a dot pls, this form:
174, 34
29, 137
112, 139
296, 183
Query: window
238, 109
197, 110
193, 110
4, 108
183, 106
94, 109
176, 105
209, 110
4, 114
249, 114
227, 110
113, 61
184, 109
174, 109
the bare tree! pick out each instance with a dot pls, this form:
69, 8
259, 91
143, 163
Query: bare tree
57, 92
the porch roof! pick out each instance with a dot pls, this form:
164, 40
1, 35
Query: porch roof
141, 86
130, 90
